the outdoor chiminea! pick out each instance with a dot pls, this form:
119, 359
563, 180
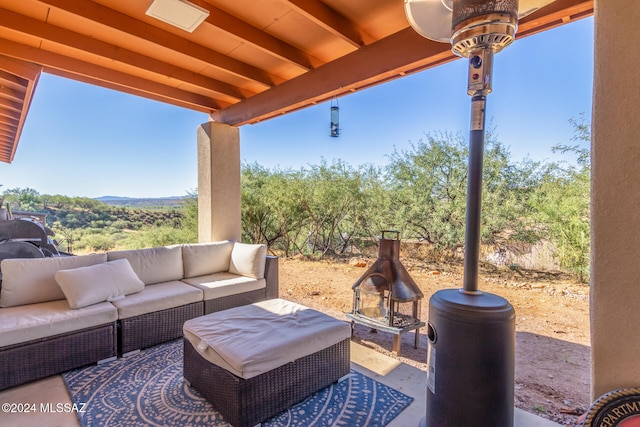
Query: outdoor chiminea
385, 297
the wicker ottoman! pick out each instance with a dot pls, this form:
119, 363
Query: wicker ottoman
254, 361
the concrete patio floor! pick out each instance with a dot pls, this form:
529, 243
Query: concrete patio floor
403, 377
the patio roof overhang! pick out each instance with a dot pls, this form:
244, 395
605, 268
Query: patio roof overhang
247, 62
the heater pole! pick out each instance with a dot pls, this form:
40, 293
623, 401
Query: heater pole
479, 85
474, 195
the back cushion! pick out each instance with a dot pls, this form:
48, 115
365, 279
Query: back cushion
153, 265
248, 260
32, 280
206, 258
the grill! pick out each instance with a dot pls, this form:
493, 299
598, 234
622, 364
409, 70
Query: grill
385, 297
24, 235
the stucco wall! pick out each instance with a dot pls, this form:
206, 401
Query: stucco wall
615, 214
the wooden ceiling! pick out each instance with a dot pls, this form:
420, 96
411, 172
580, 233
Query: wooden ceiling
250, 60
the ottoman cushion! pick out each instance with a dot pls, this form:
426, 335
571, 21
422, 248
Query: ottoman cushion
254, 339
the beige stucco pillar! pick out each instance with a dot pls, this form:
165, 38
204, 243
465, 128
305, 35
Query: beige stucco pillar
218, 182
615, 198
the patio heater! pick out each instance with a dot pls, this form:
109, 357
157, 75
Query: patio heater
471, 355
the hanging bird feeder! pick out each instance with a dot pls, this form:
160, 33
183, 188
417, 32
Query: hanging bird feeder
335, 119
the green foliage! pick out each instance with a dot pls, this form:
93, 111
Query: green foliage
329, 209
428, 184
319, 210
84, 225
561, 203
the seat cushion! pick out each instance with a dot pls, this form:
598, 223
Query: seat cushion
35, 321
160, 296
96, 283
32, 280
250, 340
224, 284
153, 265
206, 258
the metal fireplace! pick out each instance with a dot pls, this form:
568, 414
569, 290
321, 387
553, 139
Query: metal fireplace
385, 297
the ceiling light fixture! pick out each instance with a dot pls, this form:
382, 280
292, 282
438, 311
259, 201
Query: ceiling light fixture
179, 13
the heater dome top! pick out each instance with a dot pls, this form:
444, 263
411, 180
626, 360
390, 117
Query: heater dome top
433, 19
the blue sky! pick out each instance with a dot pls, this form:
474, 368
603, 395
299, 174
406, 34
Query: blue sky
82, 140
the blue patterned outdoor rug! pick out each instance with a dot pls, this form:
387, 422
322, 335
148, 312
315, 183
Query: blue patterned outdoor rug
147, 389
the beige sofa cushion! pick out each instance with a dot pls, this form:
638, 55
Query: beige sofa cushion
42, 320
248, 260
254, 339
32, 280
101, 282
153, 265
160, 296
206, 258
225, 284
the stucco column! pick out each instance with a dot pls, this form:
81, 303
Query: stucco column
615, 198
218, 182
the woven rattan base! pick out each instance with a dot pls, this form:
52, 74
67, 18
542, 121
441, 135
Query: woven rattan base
37, 359
231, 301
247, 402
149, 329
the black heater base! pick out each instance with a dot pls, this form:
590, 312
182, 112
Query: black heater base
471, 355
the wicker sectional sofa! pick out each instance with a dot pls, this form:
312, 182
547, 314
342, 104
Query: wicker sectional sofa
61, 313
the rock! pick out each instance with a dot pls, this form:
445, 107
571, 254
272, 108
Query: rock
357, 262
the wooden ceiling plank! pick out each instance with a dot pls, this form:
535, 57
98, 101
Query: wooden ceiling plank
20, 68
125, 82
399, 54
330, 20
7, 131
247, 33
388, 55
557, 13
105, 16
12, 80
9, 121
11, 94
7, 128
168, 95
54, 34
11, 105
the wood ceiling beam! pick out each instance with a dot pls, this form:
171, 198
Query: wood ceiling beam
390, 56
169, 95
13, 80
8, 93
24, 76
8, 113
247, 33
336, 24
7, 129
47, 32
557, 13
23, 69
9, 121
101, 76
6, 104
105, 16
397, 55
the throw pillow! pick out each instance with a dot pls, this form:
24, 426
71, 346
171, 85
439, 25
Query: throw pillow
102, 282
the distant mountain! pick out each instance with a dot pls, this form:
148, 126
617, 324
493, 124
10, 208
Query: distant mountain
169, 201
